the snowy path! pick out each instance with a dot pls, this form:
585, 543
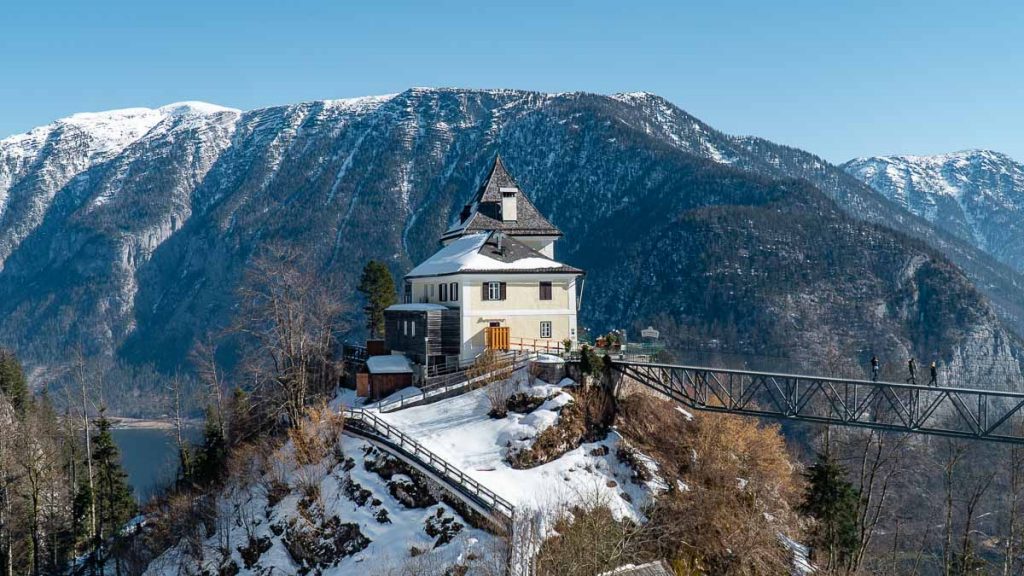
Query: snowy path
460, 431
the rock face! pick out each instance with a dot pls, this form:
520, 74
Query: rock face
977, 195
128, 232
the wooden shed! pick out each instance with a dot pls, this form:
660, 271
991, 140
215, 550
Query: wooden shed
427, 334
383, 375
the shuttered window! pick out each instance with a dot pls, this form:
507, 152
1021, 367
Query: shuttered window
442, 291
494, 291
453, 291
545, 290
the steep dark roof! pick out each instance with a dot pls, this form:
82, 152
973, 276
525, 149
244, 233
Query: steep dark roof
483, 213
512, 251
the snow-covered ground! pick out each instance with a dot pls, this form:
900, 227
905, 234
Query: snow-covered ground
355, 491
460, 431
392, 534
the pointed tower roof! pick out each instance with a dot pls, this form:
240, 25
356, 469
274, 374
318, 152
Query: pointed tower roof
484, 211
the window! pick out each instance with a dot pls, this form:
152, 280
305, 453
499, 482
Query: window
442, 291
430, 287
405, 327
545, 290
413, 328
545, 329
408, 293
494, 291
453, 291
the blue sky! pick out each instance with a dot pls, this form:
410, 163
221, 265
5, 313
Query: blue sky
840, 79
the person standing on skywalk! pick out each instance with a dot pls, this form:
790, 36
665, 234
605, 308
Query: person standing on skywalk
912, 368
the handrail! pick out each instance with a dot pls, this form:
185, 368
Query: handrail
969, 413
435, 393
456, 478
354, 352
546, 345
462, 364
836, 380
453, 377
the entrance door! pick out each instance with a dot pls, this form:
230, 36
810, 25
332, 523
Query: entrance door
496, 336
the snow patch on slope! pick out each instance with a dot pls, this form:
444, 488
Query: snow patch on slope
349, 491
460, 431
975, 194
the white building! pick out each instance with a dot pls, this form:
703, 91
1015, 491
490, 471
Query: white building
496, 278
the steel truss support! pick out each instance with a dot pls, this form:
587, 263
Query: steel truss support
952, 412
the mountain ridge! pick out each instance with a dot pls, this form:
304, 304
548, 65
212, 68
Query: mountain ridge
976, 194
136, 256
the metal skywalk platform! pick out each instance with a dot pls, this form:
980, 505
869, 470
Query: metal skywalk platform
991, 415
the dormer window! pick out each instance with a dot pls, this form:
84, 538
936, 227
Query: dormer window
509, 204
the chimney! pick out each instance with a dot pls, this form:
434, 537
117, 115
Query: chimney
509, 204
498, 236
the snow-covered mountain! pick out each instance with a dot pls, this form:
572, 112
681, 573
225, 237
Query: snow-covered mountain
128, 233
977, 195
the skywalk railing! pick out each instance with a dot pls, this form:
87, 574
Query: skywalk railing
969, 413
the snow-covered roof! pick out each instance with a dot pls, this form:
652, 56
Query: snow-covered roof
415, 307
479, 253
656, 568
393, 364
549, 359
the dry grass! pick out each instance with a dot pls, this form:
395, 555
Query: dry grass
741, 484
492, 364
317, 435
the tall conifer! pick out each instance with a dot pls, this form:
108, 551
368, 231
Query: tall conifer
378, 287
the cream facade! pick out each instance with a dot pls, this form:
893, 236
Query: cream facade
534, 319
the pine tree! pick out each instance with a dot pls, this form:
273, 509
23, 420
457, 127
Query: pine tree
12, 381
212, 455
378, 287
832, 501
114, 500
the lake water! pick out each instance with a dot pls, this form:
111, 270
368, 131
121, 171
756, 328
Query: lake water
150, 457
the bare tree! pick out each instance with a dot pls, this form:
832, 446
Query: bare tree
40, 464
291, 316
1015, 481
204, 358
498, 393
8, 441
878, 464
82, 376
954, 454
184, 450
